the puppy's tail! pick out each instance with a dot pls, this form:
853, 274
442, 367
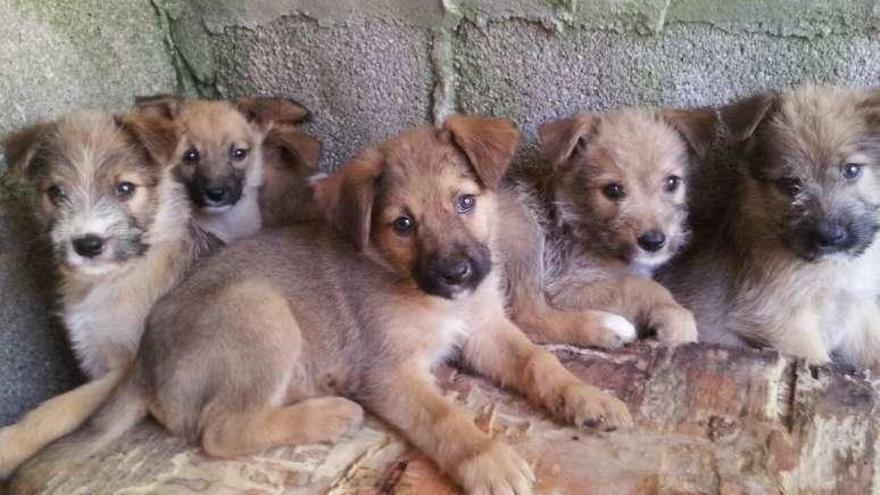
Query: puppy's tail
125, 407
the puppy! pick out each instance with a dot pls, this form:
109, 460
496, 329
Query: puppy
223, 166
278, 338
120, 229
793, 263
588, 234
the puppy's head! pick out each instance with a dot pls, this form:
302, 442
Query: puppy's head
424, 202
812, 159
219, 155
619, 179
99, 180
289, 159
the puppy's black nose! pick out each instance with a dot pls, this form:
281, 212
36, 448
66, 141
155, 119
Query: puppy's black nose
216, 195
830, 234
455, 272
88, 246
652, 240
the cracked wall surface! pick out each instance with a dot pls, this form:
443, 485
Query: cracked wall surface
369, 68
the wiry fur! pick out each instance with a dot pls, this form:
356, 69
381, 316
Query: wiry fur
261, 345
571, 250
76, 163
759, 277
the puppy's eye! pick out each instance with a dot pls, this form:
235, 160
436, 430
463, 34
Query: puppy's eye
851, 171
671, 183
789, 185
125, 189
613, 191
403, 225
55, 194
191, 155
238, 154
466, 203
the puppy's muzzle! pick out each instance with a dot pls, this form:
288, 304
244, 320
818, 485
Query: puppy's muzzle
88, 246
450, 275
213, 194
652, 241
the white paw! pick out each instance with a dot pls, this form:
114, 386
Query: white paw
621, 327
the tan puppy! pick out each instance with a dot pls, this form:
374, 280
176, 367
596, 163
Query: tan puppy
793, 263
260, 346
588, 235
221, 160
120, 228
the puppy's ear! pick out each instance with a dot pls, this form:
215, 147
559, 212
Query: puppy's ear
162, 105
304, 148
265, 111
560, 138
743, 117
488, 143
697, 126
21, 147
157, 134
346, 196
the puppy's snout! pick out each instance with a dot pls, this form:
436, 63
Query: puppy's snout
455, 271
216, 195
652, 240
830, 235
88, 246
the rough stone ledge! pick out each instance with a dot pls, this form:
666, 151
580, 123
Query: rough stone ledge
709, 421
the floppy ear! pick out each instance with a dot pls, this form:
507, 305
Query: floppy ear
305, 148
162, 105
157, 134
697, 126
489, 144
346, 196
264, 110
744, 116
20, 148
559, 138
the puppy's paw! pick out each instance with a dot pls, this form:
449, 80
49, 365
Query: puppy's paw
598, 329
495, 470
590, 408
618, 329
674, 325
336, 417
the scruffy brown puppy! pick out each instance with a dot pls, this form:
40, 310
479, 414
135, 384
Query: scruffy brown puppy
222, 160
272, 340
120, 228
588, 235
793, 263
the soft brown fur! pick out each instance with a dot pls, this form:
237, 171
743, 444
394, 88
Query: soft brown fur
272, 341
570, 249
77, 163
759, 277
265, 183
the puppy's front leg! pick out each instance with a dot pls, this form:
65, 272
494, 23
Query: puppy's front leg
643, 301
408, 399
501, 351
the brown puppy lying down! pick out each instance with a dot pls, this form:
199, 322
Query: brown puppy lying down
279, 338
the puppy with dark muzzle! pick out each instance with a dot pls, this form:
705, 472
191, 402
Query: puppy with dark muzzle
793, 262
281, 338
223, 154
120, 227
582, 240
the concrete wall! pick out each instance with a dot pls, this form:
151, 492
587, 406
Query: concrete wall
369, 68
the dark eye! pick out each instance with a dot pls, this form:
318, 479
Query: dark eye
403, 225
238, 154
789, 185
613, 191
125, 189
466, 203
55, 194
851, 171
191, 155
671, 183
